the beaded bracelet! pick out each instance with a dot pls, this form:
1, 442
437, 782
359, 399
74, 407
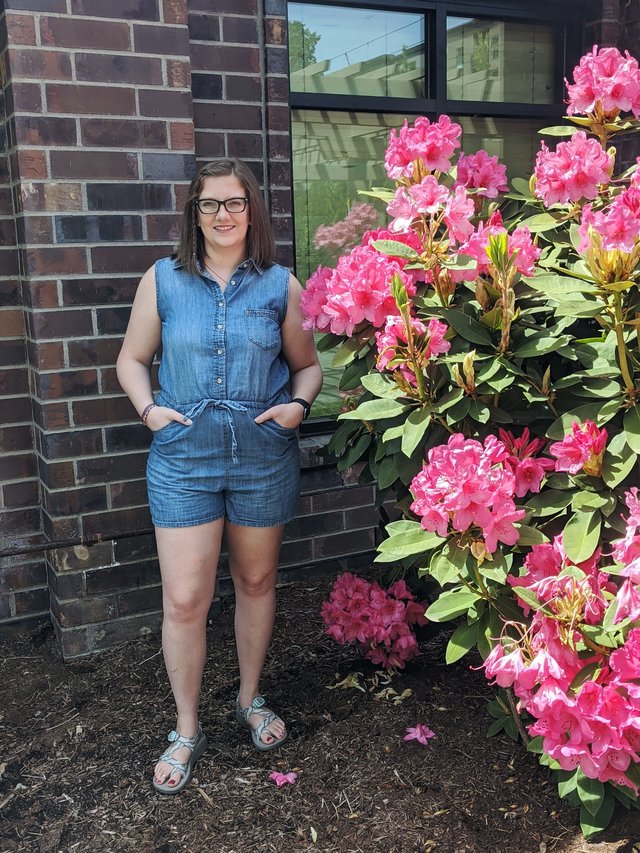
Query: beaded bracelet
145, 412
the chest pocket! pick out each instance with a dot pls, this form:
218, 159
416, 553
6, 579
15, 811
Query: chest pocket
263, 328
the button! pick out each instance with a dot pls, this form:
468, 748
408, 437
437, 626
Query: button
221, 304
233, 282
219, 381
219, 351
220, 326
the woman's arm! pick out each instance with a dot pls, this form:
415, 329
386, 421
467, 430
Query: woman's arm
140, 344
299, 351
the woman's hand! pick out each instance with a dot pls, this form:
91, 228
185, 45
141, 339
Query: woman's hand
288, 415
160, 416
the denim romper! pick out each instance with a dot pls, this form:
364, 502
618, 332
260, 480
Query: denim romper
221, 366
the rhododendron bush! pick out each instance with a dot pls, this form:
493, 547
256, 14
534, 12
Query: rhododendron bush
491, 339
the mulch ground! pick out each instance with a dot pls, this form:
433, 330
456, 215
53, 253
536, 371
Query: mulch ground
78, 742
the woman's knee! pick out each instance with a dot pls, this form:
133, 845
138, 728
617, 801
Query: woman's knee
185, 609
254, 583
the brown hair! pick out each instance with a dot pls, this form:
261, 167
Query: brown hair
260, 240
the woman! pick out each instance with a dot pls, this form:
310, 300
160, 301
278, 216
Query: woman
237, 376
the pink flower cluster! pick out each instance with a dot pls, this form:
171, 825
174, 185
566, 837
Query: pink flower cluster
527, 468
348, 231
429, 198
627, 550
519, 244
380, 620
581, 450
618, 225
595, 726
573, 171
466, 484
608, 78
483, 172
392, 341
356, 291
432, 143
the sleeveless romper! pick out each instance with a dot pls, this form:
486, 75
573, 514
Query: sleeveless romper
221, 366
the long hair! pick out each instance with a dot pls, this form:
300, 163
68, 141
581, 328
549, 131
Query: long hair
260, 239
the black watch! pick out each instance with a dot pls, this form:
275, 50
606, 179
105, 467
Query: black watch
306, 406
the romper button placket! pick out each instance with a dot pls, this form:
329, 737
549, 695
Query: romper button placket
219, 381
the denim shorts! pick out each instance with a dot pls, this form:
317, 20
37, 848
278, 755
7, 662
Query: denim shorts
223, 465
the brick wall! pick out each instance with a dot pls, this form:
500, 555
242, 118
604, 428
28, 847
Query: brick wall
110, 108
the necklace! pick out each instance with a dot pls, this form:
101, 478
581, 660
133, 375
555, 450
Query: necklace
217, 274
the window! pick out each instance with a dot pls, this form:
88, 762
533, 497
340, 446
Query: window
357, 71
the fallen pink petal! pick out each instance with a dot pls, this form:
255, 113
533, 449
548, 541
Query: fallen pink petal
421, 733
283, 778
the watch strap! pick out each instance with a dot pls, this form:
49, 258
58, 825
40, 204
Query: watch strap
305, 405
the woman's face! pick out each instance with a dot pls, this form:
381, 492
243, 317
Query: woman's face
223, 230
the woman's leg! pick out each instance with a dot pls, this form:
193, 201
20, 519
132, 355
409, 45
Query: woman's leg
253, 560
188, 561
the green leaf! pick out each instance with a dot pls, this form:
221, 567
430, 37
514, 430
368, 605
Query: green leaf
451, 604
632, 428
447, 564
346, 352
562, 425
379, 385
530, 535
618, 461
459, 410
535, 745
568, 785
415, 427
496, 726
387, 472
590, 824
529, 597
521, 185
372, 410
591, 793
548, 502
479, 411
540, 344
559, 285
558, 130
462, 640
408, 544
395, 249
540, 222
582, 535
576, 309
353, 453
466, 326
589, 500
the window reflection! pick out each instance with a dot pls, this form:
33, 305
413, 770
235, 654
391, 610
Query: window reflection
500, 61
515, 142
339, 50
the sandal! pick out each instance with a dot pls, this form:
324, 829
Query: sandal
257, 707
197, 744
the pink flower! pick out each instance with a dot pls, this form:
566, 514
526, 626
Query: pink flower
347, 231
628, 602
618, 226
433, 144
428, 196
527, 469
403, 209
390, 343
482, 170
458, 213
419, 732
606, 77
519, 244
314, 299
283, 778
581, 450
573, 171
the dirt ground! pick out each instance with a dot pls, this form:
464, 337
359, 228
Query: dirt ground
78, 743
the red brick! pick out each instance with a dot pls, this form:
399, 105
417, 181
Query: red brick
278, 117
100, 100
138, 10
51, 415
24, 493
281, 202
129, 134
127, 259
86, 611
343, 498
246, 146
15, 410
88, 291
74, 501
132, 493
239, 30
178, 73
243, 87
279, 145
112, 321
109, 381
20, 466
57, 475
23, 97
36, 229
106, 469
157, 103
106, 410
275, 31
182, 135
78, 442
60, 528
20, 29
88, 164
14, 381
41, 294
161, 39
209, 145
12, 353
32, 165
343, 544
9, 262
9, 293
149, 598
7, 234
278, 89
11, 323
175, 11
84, 34
47, 355
163, 227
45, 130
61, 324
64, 384
204, 27
182, 194
56, 260
23, 576
225, 58
227, 116
41, 64
239, 7
117, 521
93, 351
113, 68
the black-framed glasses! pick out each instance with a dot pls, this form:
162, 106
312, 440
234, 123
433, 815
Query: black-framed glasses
213, 205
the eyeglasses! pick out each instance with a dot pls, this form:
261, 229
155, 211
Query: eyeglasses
212, 205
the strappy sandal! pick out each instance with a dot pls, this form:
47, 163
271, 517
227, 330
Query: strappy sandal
257, 707
197, 744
